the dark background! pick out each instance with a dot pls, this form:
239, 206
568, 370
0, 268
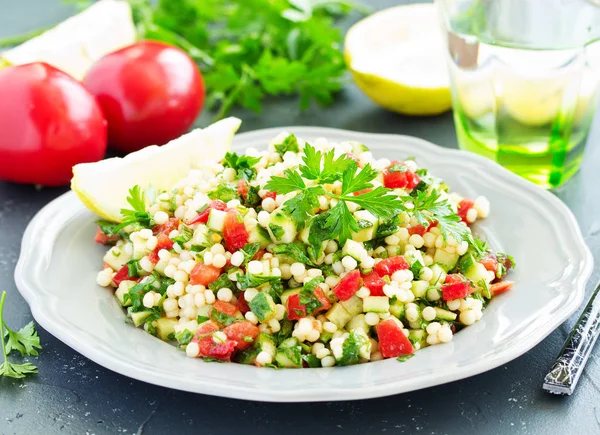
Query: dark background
76, 396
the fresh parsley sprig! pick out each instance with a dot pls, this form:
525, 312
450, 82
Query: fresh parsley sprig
25, 341
138, 214
322, 168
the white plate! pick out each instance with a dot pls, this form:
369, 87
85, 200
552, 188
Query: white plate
59, 261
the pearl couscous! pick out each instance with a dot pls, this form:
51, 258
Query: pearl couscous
304, 255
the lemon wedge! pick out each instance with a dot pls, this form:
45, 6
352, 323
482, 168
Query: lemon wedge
397, 58
73, 45
103, 186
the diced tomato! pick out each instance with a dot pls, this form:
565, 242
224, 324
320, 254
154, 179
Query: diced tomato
217, 350
242, 188
242, 305
325, 304
417, 229
404, 178
163, 243
234, 231
259, 254
204, 274
166, 228
123, 275
390, 265
295, 310
104, 239
431, 225
501, 287
202, 217
374, 283
243, 333
208, 347
360, 192
271, 195
347, 286
412, 179
225, 307
490, 263
392, 341
463, 207
456, 287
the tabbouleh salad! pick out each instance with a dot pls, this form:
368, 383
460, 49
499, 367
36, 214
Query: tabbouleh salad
303, 255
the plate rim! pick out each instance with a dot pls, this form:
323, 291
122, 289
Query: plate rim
44, 318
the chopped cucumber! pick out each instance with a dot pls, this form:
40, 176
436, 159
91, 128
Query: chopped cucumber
140, 317
289, 354
417, 336
116, 257
266, 343
259, 235
419, 288
447, 260
368, 224
216, 219
201, 236
246, 356
165, 327
122, 290
439, 274
358, 322
263, 306
337, 314
442, 314
376, 304
397, 309
354, 305
139, 249
476, 273
353, 249
286, 294
282, 227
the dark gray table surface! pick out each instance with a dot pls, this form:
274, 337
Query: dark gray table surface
74, 395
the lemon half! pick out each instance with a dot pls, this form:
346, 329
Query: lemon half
397, 58
103, 186
73, 45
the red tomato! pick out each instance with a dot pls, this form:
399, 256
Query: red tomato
360, 192
490, 263
456, 287
202, 217
242, 188
463, 207
271, 195
325, 304
295, 310
393, 179
374, 283
122, 275
48, 123
163, 243
417, 229
170, 225
104, 239
243, 333
390, 265
150, 93
234, 231
225, 307
204, 274
501, 287
347, 286
242, 305
392, 341
209, 347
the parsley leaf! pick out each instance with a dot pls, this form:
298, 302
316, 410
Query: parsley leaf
25, 341
249, 250
295, 250
290, 143
138, 214
224, 192
351, 349
290, 183
351, 182
242, 164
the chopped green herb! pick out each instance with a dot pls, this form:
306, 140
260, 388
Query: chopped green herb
242, 164
222, 281
295, 250
403, 358
224, 192
290, 143
307, 295
184, 337
221, 317
277, 231
185, 235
